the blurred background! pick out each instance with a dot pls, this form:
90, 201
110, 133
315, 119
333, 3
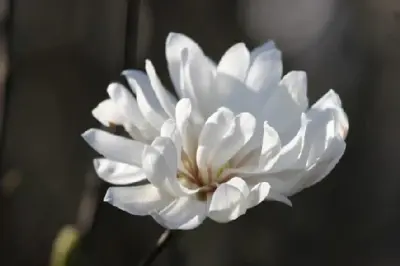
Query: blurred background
59, 56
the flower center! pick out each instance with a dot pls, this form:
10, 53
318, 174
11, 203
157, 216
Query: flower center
205, 179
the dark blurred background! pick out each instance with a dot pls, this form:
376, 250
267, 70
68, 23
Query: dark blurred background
61, 54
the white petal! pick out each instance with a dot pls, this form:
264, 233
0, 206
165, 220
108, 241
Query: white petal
107, 113
229, 201
320, 145
137, 200
275, 159
133, 120
265, 73
160, 165
174, 46
126, 103
258, 194
296, 84
115, 148
186, 127
283, 114
322, 150
277, 196
270, 45
332, 101
291, 152
148, 103
271, 146
160, 161
141, 135
166, 100
184, 213
214, 129
235, 95
235, 62
118, 173
240, 131
324, 165
170, 130
137, 76
328, 100
249, 156
320, 132
199, 74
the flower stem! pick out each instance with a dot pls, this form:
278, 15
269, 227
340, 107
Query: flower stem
161, 244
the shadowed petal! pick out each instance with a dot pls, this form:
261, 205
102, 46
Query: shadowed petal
229, 201
146, 98
235, 62
258, 194
115, 148
184, 213
166, 100
265, 73
214, 129
270, 45
107, 114
174, 46
118, 173
240, 131
137, 200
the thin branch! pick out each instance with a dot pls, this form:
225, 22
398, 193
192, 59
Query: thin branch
161, 244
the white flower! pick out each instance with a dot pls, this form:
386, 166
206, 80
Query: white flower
239, 135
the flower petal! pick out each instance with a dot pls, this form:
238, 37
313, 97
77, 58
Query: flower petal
277, 196
148, 103
270, 45
332, 101
125, 103
323, 166
107, 113
214, 129
265, 73
292, 151
199, 73
271, 147
133, 120
188, 130
258, 194
320, 146
229, 201
170, 130
285, 106
137, 200
235, 62
118, 173
183, 213
174, 46
259, 162
166, 100
235, 95
296, 84
240, 131
114, 147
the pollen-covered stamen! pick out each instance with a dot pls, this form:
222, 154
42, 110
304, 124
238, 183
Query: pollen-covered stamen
190, 172
190, 176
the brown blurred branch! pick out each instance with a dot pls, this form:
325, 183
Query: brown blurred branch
5, 39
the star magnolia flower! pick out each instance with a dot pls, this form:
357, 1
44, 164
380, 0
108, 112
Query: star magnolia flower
240, 134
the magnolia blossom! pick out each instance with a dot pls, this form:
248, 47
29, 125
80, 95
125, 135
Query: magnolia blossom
239, 134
